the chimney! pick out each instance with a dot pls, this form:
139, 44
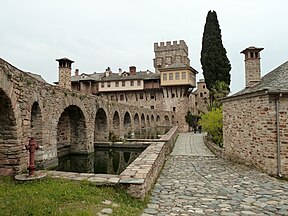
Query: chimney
120, 71
252, 66
108, 72
132, 70
65, 72
77, 72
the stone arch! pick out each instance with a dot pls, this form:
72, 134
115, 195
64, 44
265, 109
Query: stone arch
166, 120
152, 120
36, 123
142, 120
9, 160
136, 121
158, 120
71, 131
148, 120
127, 121
101, 126
116, 122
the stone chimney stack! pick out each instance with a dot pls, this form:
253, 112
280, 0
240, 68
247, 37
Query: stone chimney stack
132, 70
65, 72
252, 65
77, 72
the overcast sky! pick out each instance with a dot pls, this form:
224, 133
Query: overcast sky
119, 33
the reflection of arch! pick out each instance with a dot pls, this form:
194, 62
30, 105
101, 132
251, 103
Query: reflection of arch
167, 120
142, 121
116, 121
127, 120
101, 126
71, 131
36, 123
148, 121
136, 121
8, 136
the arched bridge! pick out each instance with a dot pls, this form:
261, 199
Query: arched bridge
59, 118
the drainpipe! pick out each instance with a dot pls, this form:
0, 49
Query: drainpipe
278, 136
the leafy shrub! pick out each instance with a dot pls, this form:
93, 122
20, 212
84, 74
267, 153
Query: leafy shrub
212, 123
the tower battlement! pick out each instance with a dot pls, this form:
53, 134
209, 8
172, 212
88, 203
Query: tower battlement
170, 46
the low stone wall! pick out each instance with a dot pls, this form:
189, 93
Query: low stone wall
216, 150
139, 177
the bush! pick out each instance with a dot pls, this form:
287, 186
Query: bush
212, 123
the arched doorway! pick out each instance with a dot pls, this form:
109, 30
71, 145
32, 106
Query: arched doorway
71, 131
101, 126
158, 120
8, 137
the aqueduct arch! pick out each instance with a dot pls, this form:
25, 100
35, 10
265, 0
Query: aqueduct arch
136, 122
166, 120
8, 136
101, 126
71, 131
116, 122
127, 121
36, 123
142, 120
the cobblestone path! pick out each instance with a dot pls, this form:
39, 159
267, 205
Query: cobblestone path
195, 182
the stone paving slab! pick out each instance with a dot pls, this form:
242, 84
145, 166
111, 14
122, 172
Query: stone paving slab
207, 185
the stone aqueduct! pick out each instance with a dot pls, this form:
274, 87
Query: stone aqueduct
58, 117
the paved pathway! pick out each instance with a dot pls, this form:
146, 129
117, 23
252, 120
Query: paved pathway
195, 182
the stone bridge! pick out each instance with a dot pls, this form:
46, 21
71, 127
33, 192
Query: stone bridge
59, 118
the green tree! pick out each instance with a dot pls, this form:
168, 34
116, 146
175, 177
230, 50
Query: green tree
215, 64
212, 123
219, 90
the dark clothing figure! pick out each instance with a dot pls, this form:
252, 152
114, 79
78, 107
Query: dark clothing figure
199, 128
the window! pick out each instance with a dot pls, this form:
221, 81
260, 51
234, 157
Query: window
256, 55
121, 97
251, 54
183, 75
152, 107
123, 83
177, 76
164, 76
102, 84
203, 86
112, 97
173, 95
201, 94
170, 76
174, 109
138, 82
132, 83
141, 95
117, 83
108, 84
152, 96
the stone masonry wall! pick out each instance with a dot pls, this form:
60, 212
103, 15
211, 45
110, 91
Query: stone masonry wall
249, 130
36, 108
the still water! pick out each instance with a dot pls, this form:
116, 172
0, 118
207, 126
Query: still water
103, 160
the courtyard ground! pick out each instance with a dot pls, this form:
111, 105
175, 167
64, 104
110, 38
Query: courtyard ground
195, 182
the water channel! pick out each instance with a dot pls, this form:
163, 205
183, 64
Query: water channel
109, 160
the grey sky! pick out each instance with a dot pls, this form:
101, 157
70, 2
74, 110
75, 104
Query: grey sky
119, 33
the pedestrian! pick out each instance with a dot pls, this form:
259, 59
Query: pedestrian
199, 128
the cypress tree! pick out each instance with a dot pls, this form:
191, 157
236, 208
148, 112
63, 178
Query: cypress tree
215, 64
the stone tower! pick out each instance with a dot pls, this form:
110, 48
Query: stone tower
167, 54
64, 72
252, 66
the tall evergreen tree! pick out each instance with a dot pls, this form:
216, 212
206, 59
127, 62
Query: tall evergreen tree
215, 64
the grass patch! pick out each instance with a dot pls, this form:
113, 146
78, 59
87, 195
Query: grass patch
63, 197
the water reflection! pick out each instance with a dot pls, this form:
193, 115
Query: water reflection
103, 160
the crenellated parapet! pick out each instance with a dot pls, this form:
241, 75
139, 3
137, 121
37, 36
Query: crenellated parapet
169, 46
